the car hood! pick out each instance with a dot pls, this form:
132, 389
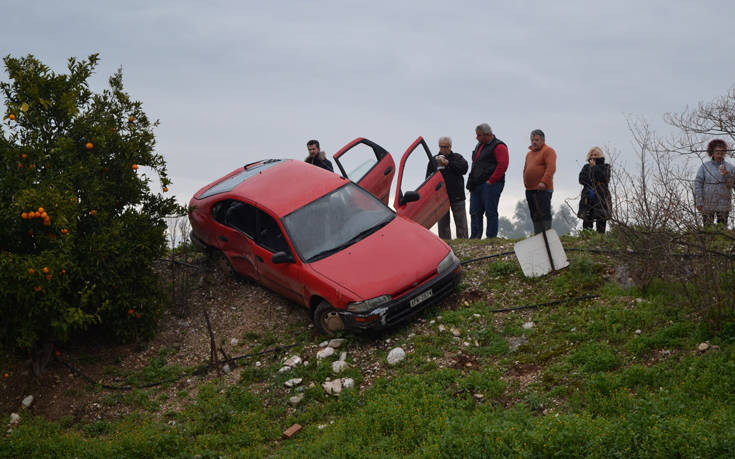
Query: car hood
393, 259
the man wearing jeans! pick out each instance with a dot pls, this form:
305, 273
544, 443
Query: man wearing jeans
538, 177
452, 167
486, 181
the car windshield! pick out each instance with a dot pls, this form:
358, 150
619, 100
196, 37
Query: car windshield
335, 221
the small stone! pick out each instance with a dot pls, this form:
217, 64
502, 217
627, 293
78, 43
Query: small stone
396, 355
323, 344
528, 325
465, 343
284, 369
476, 316
439, 318
333, 387
226, 368
293, 361
442, 328
478, 396
324, 353
257, 364
172, 423
291, 431
234, 342
455, 331
343, 356
321, 426
468, 364
336, 342
638, 332
14, 419
27, 402
339, 366
348, 383
701, 348
411, 335
296, 399
514, 342
293, 382
432, 322
573, 329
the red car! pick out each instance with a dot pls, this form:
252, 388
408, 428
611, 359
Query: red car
329, 242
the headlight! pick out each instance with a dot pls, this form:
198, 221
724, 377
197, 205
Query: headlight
447, 263
367, 305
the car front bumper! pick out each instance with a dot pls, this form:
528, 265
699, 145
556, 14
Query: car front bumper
402, 309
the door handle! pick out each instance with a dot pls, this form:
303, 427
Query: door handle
222, 238
438, 186
257, 257
388, 170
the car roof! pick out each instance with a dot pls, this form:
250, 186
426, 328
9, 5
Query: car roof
283, 186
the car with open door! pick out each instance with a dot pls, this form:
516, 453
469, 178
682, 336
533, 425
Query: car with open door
326, 243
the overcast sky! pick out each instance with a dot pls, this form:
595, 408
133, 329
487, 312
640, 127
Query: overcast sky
234, 82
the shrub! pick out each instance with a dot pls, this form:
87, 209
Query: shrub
79, 224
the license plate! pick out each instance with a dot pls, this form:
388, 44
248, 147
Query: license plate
426, 295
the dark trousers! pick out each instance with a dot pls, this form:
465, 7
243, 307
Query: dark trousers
709, 217
600, 223
484, 201
539, 203
460, 222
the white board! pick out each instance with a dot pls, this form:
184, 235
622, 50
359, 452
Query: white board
534, 258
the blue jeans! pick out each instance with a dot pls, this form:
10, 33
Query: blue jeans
484, 200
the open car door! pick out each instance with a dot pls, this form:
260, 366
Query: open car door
418, 173
367, 164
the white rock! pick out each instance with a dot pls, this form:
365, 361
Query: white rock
339, 366
701, 348
27, 402
478, 396
296, 399
284, 369
293, 382
465, 343
324, 353
172, 423
293, 361
234, 341
442, 328
638, 332
476, 316
336, 342
343, 356
432, 322
14, 419
411, 335
573, 329
348, 383
396, 355
323, 344
455, 331
333, 387
226, 368
257, 364
528, 325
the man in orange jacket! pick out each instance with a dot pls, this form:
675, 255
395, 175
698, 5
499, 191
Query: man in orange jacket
538, 177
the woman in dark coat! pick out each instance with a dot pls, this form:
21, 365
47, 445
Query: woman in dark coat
595, 203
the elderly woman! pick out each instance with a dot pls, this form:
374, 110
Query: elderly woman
595, 204
713, 184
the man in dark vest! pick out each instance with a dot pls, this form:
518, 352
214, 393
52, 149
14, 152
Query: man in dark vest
486, 181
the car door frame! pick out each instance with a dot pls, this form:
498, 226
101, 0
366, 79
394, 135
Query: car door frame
378, 179
433, 201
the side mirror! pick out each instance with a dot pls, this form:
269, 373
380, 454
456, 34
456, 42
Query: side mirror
282, 257
408, 196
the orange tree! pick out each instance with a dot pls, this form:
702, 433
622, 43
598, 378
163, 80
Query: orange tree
80, 226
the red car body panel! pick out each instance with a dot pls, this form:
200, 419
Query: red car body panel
379, 177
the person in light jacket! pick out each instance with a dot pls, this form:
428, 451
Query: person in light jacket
713, 185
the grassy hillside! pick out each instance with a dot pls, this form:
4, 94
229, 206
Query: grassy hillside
623, 374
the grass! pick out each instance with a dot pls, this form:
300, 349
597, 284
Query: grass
617, 375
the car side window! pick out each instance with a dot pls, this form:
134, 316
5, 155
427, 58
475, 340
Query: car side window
415, 170
240, 216
269, 235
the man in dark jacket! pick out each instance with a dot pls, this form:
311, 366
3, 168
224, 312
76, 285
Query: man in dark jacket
452, 166
317, 157
486, 180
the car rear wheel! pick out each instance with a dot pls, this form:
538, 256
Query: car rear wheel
327, 319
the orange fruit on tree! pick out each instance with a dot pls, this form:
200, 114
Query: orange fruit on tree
24, 156
48, 276
89, 145
24, 215
165, 189
43, 213
41, 209
46, 221
20, 166
31, 166
137, 316
92, 212
130, 119
64, 230
130, 312
37, 288
135, 167
45, 269
12, 117
31, 271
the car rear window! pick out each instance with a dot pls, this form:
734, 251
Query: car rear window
232, 182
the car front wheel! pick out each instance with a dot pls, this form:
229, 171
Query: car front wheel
327, 319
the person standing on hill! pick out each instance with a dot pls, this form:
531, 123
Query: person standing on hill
317, 157
595, 203
486, 181
713, 185
538, 177
452, 167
